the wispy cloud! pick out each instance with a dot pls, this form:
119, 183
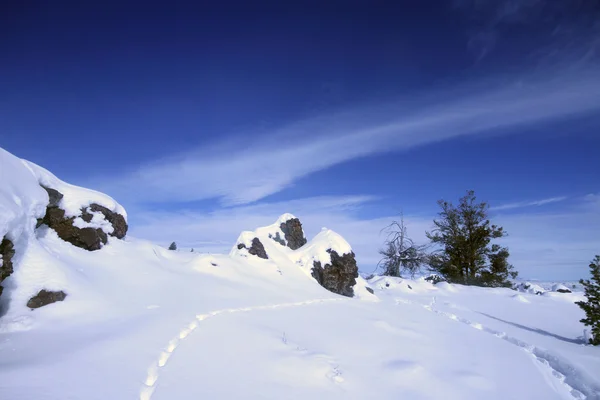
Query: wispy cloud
251, 167
560, 32
592, 201
522, 204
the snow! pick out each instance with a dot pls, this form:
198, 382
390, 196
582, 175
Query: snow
98, 221
316, 250
528, 287
143, 322
274, 231
75, 197
21, 198
40, 256
559, 286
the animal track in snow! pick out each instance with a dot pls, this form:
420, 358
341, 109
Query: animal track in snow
325, 364
153, 372
560, 369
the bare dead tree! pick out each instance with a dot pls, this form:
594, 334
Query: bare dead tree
400, 253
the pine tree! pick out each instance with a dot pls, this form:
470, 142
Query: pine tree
173, 246
400, 253
467, 256
592, 305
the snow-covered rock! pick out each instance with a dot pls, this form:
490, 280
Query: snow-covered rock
249, 243
331, 261
528, 287
30, 197
560, 288
287, 231
7, 251
328, 258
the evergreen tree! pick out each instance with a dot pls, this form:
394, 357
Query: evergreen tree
592, 305
191, 251
400, 253
467, 256
173, 246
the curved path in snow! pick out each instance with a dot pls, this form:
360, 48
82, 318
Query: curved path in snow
560, 370
163, 358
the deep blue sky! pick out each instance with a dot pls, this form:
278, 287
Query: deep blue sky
97, 91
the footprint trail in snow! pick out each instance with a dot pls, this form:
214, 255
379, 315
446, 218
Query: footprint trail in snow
559, 369
154, 369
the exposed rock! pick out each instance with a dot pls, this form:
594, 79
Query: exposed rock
116, 220
560, 288
277, 238
86, 238
45, 297
7, 251
257, 248
435, 279
294, 235
339, 276
528, 287
370, 290
54, 195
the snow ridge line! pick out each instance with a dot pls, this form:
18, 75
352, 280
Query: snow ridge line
560, 369
153, 370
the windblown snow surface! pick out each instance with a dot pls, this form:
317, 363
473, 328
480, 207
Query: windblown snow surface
142, 322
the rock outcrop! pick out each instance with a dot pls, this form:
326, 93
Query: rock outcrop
7, 251
529, 287
88, 238
116, 220
294, 235
338, 276
435, 279
256, 249
45, 297
560, 288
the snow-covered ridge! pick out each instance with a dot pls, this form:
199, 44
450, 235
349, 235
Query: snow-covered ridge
75, 197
